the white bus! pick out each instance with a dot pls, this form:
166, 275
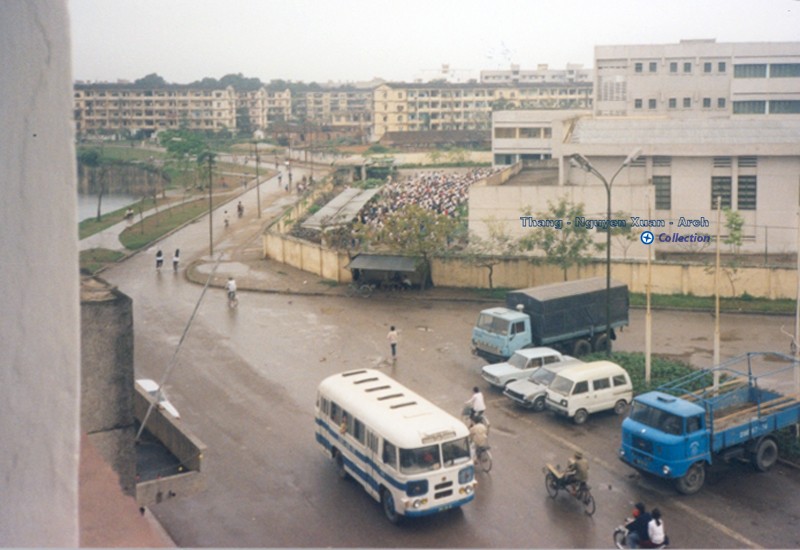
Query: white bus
406, 452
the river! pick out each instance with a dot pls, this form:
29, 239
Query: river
87, 204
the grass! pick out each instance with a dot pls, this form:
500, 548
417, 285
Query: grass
706, 303
156, 226
93, 260
123, 152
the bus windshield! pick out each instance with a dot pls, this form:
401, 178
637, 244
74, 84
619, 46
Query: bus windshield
431, 457
656, 418
490, 323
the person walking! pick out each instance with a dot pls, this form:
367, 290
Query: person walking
392, 338
176, 258
159, 259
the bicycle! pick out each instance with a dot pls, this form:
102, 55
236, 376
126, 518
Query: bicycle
233, 300
555, 480
483, 458
364, 290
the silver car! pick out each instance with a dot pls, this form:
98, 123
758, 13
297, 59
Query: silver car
532, 391
520, 365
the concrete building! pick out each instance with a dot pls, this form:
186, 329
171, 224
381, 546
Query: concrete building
698, 78
527, 136
403, 107
543, 74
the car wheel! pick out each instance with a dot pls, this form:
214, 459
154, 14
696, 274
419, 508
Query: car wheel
538, 404
580, 416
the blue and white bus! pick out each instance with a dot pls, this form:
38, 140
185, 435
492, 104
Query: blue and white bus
410, 455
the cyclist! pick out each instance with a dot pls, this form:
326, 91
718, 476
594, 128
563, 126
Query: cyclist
478, 436
475, 406
577, 473
230, 286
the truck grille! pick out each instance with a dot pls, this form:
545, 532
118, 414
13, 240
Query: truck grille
643, 445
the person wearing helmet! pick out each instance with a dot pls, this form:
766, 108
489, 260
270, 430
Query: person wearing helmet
577, 474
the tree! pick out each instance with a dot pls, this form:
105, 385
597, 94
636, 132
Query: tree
413, 231
91, 161
625, 236
566, 245
150, 81
488, 252
734, 226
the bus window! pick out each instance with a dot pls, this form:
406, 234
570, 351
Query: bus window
372, 441
424, 459
358, 430
456, 451
336, 413
389, 454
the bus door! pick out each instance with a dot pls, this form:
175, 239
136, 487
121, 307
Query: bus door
372, 458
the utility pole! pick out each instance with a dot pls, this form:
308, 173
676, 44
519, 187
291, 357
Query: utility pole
716, 296
210, 209
258, 182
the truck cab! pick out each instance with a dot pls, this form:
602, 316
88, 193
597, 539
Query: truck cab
665, 436
499, 332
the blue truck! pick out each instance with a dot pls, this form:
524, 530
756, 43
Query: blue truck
568, 316
685, 426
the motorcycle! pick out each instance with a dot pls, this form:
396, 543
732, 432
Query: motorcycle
621, 538
556, 480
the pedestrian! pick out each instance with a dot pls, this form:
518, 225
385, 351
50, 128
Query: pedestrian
176, 258
159, 259
392, 338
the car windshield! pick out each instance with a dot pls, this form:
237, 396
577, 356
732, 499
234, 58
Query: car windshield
518, 360
455, 452
542, 376
561, 385
423, 459
494, 324
656, 418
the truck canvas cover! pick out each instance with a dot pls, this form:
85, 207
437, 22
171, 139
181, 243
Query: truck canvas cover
561, 309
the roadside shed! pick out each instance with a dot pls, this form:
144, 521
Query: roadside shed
380, 268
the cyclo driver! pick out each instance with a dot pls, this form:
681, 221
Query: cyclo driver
577, 472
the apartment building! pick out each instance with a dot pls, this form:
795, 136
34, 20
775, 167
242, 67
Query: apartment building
345, 108
264, 106
698, 78
543, 74
112, 108
404, 107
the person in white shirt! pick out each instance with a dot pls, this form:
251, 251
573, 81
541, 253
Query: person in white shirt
476, 405
655, 529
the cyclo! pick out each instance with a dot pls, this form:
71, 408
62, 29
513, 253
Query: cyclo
557, 480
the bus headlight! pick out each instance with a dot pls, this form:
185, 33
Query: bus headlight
465, 475
419, 502
466, 490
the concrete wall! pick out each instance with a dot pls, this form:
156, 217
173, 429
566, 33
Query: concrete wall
40, 321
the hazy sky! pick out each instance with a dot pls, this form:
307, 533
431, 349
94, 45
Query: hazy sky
354, 40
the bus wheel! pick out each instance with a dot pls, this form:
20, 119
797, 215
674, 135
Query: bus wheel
387, 501
340, 470
766, 454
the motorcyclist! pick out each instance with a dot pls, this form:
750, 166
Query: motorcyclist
577, 472
637, 529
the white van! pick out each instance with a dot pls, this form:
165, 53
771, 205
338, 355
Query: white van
580, 390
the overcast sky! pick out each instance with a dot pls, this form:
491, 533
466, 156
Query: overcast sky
399, 40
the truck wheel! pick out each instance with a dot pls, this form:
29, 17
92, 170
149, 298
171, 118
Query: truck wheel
601, 343
693, 480
581, 347
580, 416
766, 454
538, 404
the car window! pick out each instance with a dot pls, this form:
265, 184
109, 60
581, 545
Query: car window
535, 363
620, 380
550, 359
581, 387
601, 384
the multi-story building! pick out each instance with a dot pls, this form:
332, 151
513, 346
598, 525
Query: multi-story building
403, 107
113, 108
344, 108
543, 74
698, 78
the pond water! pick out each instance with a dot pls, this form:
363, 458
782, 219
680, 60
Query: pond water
87, 204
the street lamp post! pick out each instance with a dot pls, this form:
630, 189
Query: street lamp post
258, 182
583, 163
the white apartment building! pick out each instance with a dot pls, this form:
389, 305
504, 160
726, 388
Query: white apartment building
403, 107
698, 78
110, 108
542, 74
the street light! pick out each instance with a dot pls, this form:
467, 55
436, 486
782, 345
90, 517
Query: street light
583, 163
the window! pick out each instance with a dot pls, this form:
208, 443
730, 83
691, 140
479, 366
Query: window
663, 188
687, 67
721, 187
581, 387
637, 103
389, 455
751, 70
720, 103
551, 359
706, 103
673, 103
637, 67
653, 66
673, 67
505, 133
707, 67
687, 102
722, 162
746, 193
784, 107
749, 107
619, 380
747, 162
518, 327
721, 67
601, 384
662, 161
693, 424
784, 70
535, 133
359, 432
651, 103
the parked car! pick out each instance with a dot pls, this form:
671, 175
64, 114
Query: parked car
150, 387
581, 390
520, 365
532, 391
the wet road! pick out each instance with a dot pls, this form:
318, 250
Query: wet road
245, 381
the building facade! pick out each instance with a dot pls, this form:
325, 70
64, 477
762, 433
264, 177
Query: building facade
543, 74
698, 78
